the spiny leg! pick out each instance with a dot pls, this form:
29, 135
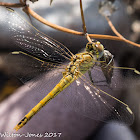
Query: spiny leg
96, 82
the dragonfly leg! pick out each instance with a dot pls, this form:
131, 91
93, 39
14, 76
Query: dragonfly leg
90, 76
98, 83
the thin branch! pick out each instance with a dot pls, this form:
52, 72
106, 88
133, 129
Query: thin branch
83, 19
39, 18
113, 28
60, 28
88, 38
131, 42
57, 27
118, 34
98, 36
15, 5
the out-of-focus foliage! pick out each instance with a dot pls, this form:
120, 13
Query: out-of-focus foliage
107, 8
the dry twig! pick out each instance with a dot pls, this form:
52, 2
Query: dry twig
118, 34
119, 37
83, 19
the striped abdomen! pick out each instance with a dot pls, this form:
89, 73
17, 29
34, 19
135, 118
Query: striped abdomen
65, 82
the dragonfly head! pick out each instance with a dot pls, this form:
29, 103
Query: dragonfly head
96, 48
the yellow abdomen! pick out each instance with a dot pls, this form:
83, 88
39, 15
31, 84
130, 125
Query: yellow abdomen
64, 83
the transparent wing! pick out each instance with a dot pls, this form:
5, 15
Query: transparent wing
83, 96
41, 53
28, 38
94, 100
26, 67
97, 100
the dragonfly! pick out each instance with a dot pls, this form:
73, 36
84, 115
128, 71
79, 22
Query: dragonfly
47, 54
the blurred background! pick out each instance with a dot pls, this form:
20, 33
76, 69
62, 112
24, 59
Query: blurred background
67, 14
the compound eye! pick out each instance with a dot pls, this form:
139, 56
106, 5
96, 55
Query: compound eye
97, 45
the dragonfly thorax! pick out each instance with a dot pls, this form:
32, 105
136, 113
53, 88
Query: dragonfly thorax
80, 63
96, 48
